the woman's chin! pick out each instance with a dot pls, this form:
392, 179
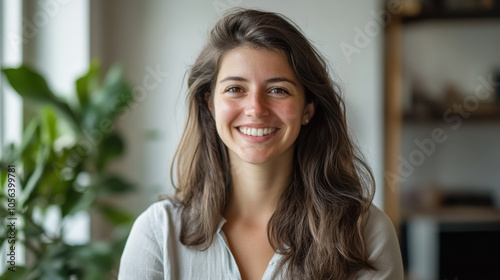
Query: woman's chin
254, 158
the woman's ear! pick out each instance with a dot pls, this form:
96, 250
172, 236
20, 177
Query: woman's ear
308, 112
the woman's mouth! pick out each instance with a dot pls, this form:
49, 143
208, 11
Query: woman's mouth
256, 131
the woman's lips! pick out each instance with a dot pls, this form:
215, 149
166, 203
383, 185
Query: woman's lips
261, 134
252, 131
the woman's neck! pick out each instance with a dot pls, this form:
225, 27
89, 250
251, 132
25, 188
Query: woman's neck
256, 188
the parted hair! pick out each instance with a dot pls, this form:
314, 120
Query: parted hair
317, 224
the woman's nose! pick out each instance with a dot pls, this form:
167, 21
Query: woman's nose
256, 105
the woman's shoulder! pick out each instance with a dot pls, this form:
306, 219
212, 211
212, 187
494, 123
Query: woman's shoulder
157, 221
382, 246
378, 230
160, 212
149, 238
376, 219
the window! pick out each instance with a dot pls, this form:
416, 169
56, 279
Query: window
10, 102
10, 56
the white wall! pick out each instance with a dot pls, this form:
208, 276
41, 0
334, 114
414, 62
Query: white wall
168, 35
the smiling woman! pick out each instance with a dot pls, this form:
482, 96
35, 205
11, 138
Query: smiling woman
270, 185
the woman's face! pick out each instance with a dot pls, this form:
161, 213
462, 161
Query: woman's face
258, 105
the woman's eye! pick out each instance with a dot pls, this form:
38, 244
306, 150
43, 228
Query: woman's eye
234, 90
279, 91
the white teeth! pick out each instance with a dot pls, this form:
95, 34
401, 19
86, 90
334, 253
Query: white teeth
256, 131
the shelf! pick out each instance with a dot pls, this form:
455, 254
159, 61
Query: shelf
457, 214
486, 114
486, 118
447, 16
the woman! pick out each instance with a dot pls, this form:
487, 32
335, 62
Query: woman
269, 182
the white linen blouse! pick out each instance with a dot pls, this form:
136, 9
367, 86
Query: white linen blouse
153, 250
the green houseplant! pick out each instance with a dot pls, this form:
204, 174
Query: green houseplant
60, 166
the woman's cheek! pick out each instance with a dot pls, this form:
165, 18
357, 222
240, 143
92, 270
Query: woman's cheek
290, 111
227, 110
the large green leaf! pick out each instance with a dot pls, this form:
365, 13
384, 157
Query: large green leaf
49, 126
35, 178
77, 201
31, 85
30, 144
114, 96
106, 102
88, 83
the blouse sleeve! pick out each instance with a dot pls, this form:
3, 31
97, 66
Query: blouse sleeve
142, 256
383, 248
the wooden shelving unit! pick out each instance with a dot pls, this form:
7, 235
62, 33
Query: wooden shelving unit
393, 118
394, 115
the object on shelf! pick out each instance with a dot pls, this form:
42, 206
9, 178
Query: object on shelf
434, 198
470, 105
410, 8
422, 106
467, 198
422, 197
487, 4
454, 103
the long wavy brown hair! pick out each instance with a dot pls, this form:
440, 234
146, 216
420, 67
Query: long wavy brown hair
317, 224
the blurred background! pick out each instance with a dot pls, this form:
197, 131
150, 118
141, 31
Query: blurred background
420, 80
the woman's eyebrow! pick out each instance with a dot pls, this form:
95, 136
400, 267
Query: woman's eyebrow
271, 80
233, 78
281, 79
